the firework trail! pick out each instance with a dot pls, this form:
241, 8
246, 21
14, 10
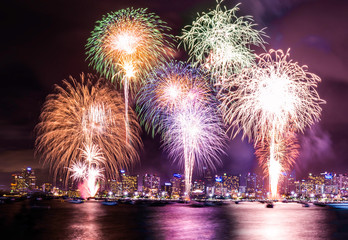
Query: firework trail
126, 45
82, 123
90, 170
195, 138
177, 102
285, 149
220, 41
265, 101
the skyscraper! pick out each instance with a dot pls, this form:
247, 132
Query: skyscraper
129, 183
151, 185
176, 185
24, 181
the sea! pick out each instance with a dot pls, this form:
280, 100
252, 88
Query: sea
58, 219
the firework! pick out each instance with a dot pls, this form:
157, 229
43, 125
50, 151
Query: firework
89, 175
277, 156
128, 43
83, 123
286, 150
220, 41
177, 102
169, 87
89, 170
125, 45
275, 97
194, 138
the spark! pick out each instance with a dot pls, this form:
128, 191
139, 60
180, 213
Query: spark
126, 45
93, 155
78, 170
194, 138
89, 174
274, 97
286, 150
130, 37
220, 41
84, 121
177, 102
168, 88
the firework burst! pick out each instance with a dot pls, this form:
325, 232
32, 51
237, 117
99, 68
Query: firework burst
194, 138
84, 121
220, 41
167, 89
275, 97
276, 94
177, 101
126, 45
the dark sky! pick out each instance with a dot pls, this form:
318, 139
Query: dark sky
43, 43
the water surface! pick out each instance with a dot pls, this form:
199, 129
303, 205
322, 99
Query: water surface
92, 220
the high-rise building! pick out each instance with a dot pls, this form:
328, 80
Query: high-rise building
129, 184
231, 183
115, 187
331, 185
315, 184
30, 178
167, 187
198, 185
250, 183
287, 183
198, 188
218, 186
343, 182
47, 187
254, 185
208, 177
18, 183
176, 182
151, 185
24, 181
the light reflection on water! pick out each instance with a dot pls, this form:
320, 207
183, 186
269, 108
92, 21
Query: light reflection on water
244, 221
85, 224
184, 222
285, 221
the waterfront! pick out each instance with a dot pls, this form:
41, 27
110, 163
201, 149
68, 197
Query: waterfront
55, 219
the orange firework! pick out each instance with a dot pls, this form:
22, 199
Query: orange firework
286, 150
81, 114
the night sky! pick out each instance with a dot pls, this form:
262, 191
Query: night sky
43, 42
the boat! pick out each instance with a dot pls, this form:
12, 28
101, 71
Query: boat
320, 204
157, 204
269, 205
40, 206
109, 203
76, 201
305, 204
338, 205
209, 203
197, 204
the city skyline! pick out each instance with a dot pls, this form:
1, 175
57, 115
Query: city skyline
226, 186
46, 45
